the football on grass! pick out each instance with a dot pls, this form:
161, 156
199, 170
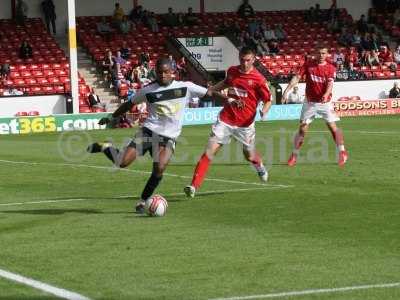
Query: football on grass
156, 206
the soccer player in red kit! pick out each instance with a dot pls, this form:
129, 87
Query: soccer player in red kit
319, 76
244, 83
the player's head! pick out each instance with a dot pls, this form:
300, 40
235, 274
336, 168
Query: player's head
247, 56
164, 72
322, 54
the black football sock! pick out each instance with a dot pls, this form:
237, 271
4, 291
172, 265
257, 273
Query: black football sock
151, 185
112, 153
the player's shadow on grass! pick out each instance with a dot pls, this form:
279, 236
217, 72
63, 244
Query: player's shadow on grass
53, 211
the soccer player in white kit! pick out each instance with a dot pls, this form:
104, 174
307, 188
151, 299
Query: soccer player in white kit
166, 100
319, 75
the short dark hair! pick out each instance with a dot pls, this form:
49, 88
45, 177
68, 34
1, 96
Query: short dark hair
163, 61
247, 50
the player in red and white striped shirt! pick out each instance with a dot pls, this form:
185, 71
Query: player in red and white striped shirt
319, 76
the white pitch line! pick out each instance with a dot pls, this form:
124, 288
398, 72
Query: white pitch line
129, 197
137, 171
61, 293
357, 131
316, 291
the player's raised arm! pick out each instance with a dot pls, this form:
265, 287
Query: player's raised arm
125, 107
293, 82
219, 96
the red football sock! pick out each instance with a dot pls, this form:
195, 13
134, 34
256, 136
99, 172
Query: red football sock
339, 139
200, 171
298, 142
256, 160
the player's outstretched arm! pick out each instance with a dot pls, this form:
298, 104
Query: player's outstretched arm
293, 82
124, 107
232, 101
219, 86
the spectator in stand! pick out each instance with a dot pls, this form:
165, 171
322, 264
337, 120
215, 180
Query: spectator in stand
21, 12
395, 91
252, 26
4, 72
173, 63
119, 59
104, 29
373, 58
356, 39
12, 92
280, 33
338, 57
262, 47
136, 15
94, 100
118, 77
190, 18
363, 59
152, 22
362, 24
170, 19
180, 17
118, 15
365, 43
386, 56
125, 51
49, 11
396, 55
25, 50
294, 96
144, 59
107, 65
125, 26
352, 56
245, 10
354, 74
181, 67
273, 47
342, 73
269, 33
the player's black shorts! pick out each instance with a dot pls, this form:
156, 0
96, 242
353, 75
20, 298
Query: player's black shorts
147, 140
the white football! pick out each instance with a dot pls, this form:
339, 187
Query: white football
156, 206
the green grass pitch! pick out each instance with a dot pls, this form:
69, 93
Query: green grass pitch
312, 226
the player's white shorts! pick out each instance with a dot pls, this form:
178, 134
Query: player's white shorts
311, 109
221, 133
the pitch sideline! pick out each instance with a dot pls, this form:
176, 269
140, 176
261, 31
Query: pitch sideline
125, 197
139, 172
313, 291
59, 292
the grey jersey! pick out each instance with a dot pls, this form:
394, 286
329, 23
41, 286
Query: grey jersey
166, 105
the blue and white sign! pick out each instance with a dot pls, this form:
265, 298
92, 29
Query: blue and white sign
208, 115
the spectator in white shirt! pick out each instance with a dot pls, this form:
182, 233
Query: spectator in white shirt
294, 97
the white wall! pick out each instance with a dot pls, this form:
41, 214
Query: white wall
5, 9
45, 105
367, 90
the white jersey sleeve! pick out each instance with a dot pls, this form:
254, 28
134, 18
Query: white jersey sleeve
139, 97
196, 91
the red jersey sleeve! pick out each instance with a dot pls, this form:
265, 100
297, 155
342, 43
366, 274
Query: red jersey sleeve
228, 78
263, 91
332, 74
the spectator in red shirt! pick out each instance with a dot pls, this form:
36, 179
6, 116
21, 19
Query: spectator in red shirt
385, 56
352, 56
